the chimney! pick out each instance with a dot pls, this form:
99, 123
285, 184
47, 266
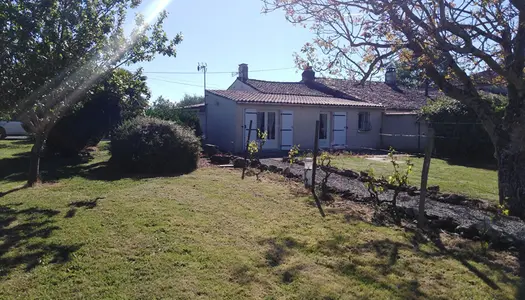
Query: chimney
308, 74
243, 72
390, 74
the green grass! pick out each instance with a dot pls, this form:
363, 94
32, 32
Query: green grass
209, 235
474, 182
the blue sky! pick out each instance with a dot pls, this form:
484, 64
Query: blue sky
223, 34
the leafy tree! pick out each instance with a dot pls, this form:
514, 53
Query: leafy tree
190, 100
452, 40
121, 96
164, 109
54, 51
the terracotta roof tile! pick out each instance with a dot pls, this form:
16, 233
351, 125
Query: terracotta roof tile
284, 88
392, 97
257, 97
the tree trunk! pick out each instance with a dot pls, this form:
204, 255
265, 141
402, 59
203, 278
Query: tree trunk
34, 165
511, 179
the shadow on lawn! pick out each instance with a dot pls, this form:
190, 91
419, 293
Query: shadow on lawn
87, 204
24, 233
53, 169
374, 262
491, 165
387, 253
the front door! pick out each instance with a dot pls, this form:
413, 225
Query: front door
324, 130
339, 130
267, 122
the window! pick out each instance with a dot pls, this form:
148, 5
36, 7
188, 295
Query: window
261, 122
364, 121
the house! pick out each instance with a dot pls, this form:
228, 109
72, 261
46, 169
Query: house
350, 116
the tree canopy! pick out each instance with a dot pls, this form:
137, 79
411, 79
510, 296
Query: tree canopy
165, 109
54, 51
122, 96
188, 100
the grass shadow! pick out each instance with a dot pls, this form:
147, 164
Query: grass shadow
24, 233
375, 262
476, 164
27, 141
279, 249
52, 169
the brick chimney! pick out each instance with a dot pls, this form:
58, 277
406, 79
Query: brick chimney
308, 74
243, 72
390, 74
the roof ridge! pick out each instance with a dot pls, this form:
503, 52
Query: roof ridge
285, 82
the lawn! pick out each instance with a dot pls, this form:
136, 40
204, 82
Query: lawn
475, 182
90, 234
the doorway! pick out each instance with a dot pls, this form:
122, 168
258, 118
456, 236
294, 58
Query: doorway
324, 130
267, 122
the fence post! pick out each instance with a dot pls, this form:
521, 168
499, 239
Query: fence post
314, 167
424, 176
246, 150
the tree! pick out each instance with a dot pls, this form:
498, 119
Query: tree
190, 100
123, 95
164, 109
54, 51
452, 40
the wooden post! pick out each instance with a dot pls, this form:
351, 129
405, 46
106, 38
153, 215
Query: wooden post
246, 150
424, 177
314, 167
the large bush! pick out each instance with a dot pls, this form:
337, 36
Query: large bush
121, 96
149, 145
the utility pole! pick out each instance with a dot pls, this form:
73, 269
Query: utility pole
204, 68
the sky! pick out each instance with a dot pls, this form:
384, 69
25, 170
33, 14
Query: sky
222, 34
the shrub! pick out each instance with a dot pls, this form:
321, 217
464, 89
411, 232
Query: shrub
84, 127
121, 96
164, 109
149, 145
461, 136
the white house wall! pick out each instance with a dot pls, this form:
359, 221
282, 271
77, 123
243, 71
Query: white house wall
238, 85
221, 122
402, 132
304, 124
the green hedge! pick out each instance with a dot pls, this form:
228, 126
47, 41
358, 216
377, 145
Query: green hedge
154, 146
459, 133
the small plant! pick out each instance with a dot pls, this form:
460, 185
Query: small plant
255, 146
293, 153
373, 187
325, 162
399, 178
396, 181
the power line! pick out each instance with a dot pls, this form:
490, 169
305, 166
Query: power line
222, 72
176, 82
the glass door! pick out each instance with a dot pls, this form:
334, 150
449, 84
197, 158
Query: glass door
267, 122
324, 130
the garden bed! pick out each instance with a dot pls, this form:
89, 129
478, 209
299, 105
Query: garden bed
471, 219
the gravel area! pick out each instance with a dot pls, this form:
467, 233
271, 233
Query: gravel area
467, 221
